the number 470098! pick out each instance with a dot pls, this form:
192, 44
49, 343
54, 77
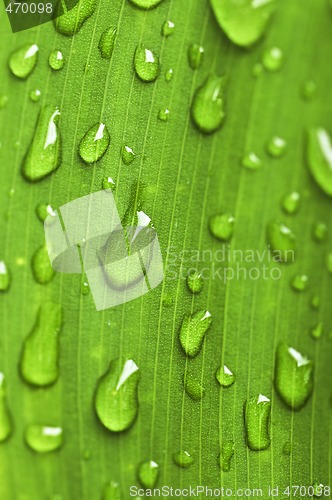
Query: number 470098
29, 8
308, 491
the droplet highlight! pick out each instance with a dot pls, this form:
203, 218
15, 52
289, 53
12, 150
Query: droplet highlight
225, 376
282, 241
94, 144
43, 439
148, 474
257, 422
5, 277
208, 106
183, 459
193, 330
222, 226
23, 61
146, 64
195, 56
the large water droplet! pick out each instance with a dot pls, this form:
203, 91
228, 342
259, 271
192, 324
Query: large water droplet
6, 425
293, 377
23, 60
168, 28
163, 115
42, 438
146, 64
257, 421
244, 22
222, 226
207, 108
300, 282
128, 155
319, 157
55, 60
273, 59
107, 42
44, 153
251, 161
94, 144
4, 277
193, 330
226, 455
193, 387
72, 21
116, 400
39, 360
282, 241
148, 474
183, 459
195, 55
42, 270
291, 203
195, 281
225, 377
276, 147
112, 491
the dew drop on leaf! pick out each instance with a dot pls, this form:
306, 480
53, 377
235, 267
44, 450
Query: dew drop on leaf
39, 359
55, 60
169, 75
293, 377
85, 288
319, 231
108, 183
71, 22
291, 202
315, 301
128, 155
251, 161
163, 115
146, 64
146, 4
208, 106
318, 490
168, 28
195, 55
3, 100
194, 282
317, 331
222, 226
107, 42
282, 241
257, 422
94, 144
319, 157
226, 455
42, 270
116, 401
44, 153
6, 425
148, 474
193, 387
273, 59
42, 438
193, 330
5, 278
308, 90
43, 211
300, 282
225, 376
23, 61
35, 95
183, 459
276, 147
112, 491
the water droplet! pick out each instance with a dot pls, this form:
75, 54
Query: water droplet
183, 459
319, 231
116, 400
146, 4
23, 61
318, 490
168, 28
112, 491
42, 270
55, 60
317, 331
128, 155
94, 144
39, 360
107, 42
42, 438
4, 277
225, 377
291, 203
6, 425
293, 377
273, 59
257, 421
282, 241
35, 95
71, 22
85, 288
43, 211
169, 75
308, 90
257, 70
44, 153
193, 330
329, 262
251, 161
148, 474
195, 282
315, 301
222, 226
195, 56
276, 147
193, 387
243, 22
3, 101
319, 157
163, 115
207, 109
300, 282
146, 64
108, 183
226, 455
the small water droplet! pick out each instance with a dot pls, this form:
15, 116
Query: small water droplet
222, 226
107, 42
308, 90
71, 22
225, 377
208, 106
282, 241
291, 203
195, 281
257, 70
39, 360
95, 143
293, 377
42, 270
329, 262
315, 301
257, 422
168, 28
319, 231
5, 278
226, 455
183, 459
169, 75
193, 387
276, 147
35, 95
108, 183
195, 56
300, 282
85, 288
273, 59
148, 474
146, 4
3, 101
23, 61
251, 161
44, 153
128, 155
43, 211
112, 491
317, 331
55, 60
318, 490
319, 157
146, 64
116, 400
42, 438
163, 115
6, 425
193, 330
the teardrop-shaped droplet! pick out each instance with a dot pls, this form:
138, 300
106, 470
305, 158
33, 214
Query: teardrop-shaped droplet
257, 422
168, 28
163, 115
222, 226
319, 157
183, 459
85, 288
195, 55
3, 100
308, 90
116, 400
193, 387
291, 203
208, 106
225, 376
146, 64
300, 282
193, 330
195, 282
94, 144
128, 155
39, 360
108, 183
148, 474
35, 95
55, 60
71, 22
169, 75
107, 42
276, 147
146, 4
273, 59
282, 241
251, 161
319, 231
44, 153
112, 491
315, 301
293, 377
23, 61
42, 270
245, 21
316, 331
6, 425
4, 277
226, 455
43, 438
43, 211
